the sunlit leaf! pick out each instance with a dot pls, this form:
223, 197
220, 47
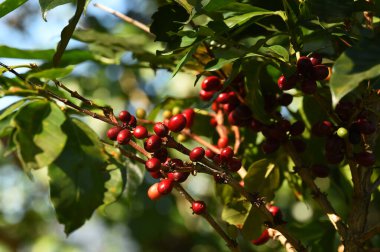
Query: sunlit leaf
10, 5
47, 5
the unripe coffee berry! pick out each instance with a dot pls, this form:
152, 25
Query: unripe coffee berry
113, 132
197, 154
165, 186
140, 132
160, 129
342, 132
153, 143
140, 113
177, 123
153, 164
124, 136
198, 207
124, 116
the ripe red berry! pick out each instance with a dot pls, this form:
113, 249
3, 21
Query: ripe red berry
198, 207
124, 116
209, 153
223, 98
132, 122
177, 123
161, 154
320, 170
160, 129
344, 110
189, 115
124, 136
211, 83
263, 238
153, 193
365, 158
297, 128
286, 83
234, 164
165, 186
365, 126
217, 160
112, 132
153, 164
178, 176
322, 129
276, 212
213, 122
156, 174
315, 58
140, 132
320, 72
309, 86
304, 66
153, 143
206, 95
222, 142
226, 154
197, 154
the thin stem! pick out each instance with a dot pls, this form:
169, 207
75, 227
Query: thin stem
276, 235
370, 233
125, 18
200, 140
230, 242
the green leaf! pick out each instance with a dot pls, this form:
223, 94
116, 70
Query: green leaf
241, 19
236, 212
186, 5
71, 57
331, 10
52, 73
10, 5
358, 63
135, 177
67, 32
47, 5
253, 225
263, 177
39, 138
277, 50
190, 51
78, 176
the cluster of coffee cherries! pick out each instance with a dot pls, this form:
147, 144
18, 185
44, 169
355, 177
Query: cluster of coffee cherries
335, 144
277, 216
309, 70
160, 165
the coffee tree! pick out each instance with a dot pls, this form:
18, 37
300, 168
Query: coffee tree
287, 96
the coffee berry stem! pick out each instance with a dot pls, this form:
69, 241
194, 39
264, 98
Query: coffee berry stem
276, 235
232, 244
320, 197
201, 141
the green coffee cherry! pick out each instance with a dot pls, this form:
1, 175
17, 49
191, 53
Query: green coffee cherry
140, 113
342, 132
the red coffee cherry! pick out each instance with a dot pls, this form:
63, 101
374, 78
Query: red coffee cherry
213, 122
315, 58
197, 154
234, 164
297, 128
286, 83
156, 174
226, 154
344, 110
223, 98
365, 158
206, 95
178, 176
321, 129
304, 66
153, 164
264, 237
276, 212
209, 153
124, 136
222, 142
160, 129
365, 126
113, 132
198, 207
189, 115
320, 72
124, 116
132, 122
309, 86
153, 143
255, 125
161, 154
165, 186
153, 193
177, 123
140, 132
320, 170
211, 83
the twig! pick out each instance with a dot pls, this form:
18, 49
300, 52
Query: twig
282, 239
230, 242
200, 140
125, 18
370, 233
375, 185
